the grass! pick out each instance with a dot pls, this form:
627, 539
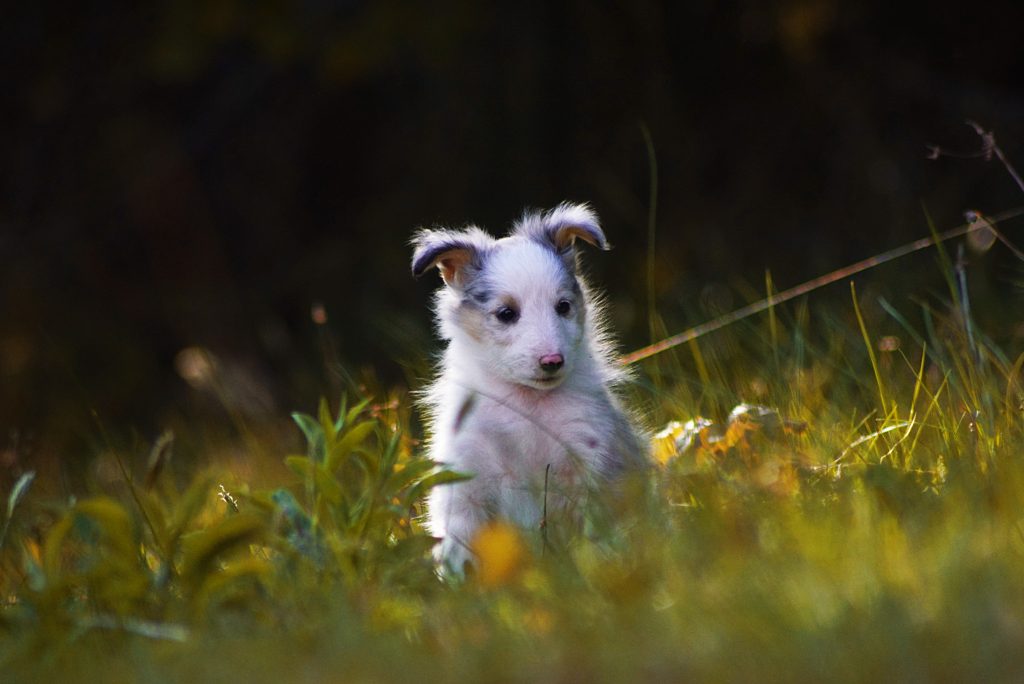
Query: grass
870, 527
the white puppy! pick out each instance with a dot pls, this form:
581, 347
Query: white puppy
524, 399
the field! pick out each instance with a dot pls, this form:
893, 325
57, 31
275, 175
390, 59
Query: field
860, 519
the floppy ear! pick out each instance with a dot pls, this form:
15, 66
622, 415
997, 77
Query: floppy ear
566, 222
457, 255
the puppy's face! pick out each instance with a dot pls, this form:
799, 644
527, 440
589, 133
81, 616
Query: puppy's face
522, 314
514, 304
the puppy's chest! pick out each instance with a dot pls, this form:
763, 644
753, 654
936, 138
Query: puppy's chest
525, 439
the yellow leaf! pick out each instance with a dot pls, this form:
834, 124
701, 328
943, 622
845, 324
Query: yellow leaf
678, 438
501, 555
664, 442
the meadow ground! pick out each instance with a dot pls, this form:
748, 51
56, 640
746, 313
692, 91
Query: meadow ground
867, 525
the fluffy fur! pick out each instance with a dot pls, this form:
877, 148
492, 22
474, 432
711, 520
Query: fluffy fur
525, 390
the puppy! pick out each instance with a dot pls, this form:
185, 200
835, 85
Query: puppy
524, 399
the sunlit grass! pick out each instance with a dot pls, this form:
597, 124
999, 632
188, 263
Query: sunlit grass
882, 540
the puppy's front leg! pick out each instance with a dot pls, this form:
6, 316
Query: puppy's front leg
456, 514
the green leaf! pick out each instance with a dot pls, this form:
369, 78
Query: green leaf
19, 490
421, 488
326, 422
339, 450
390, 455
102, 520
187, 508
352, 414
327, 485
234, 579
203, 549
359, 509
409, 473
53, 545
300, 531
314, 434
318, 475
114, 521
159, 456
155, 514
444, 477
339, 424
287, 504
300, 465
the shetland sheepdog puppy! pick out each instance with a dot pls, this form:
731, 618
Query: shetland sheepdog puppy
525, 395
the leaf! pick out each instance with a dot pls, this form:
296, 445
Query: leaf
54, 544
286, 504
186, 508
390, 455
339, 450
159, 456
237, 573
114, 521
352, 413
155, 514
300, 465
314, 434
442, 477
339, 424
111, 521
318, 475
407, 473
204, 548
19, 490
326, 422
301, 533
678, 438
327, 485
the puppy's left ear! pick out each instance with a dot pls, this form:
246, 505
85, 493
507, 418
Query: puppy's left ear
566, 222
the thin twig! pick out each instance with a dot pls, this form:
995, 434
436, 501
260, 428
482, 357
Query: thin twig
989, 147
652, 212
982, 222
544, 516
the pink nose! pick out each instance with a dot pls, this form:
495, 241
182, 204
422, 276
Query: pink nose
551, 362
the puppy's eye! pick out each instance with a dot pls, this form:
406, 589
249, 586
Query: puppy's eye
563, 307
507, 315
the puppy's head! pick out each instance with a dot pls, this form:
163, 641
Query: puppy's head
515, 304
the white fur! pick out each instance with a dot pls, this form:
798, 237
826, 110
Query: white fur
494, 411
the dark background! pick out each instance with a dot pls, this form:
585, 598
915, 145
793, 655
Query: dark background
201, 174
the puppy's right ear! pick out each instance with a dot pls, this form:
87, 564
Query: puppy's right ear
457, 255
